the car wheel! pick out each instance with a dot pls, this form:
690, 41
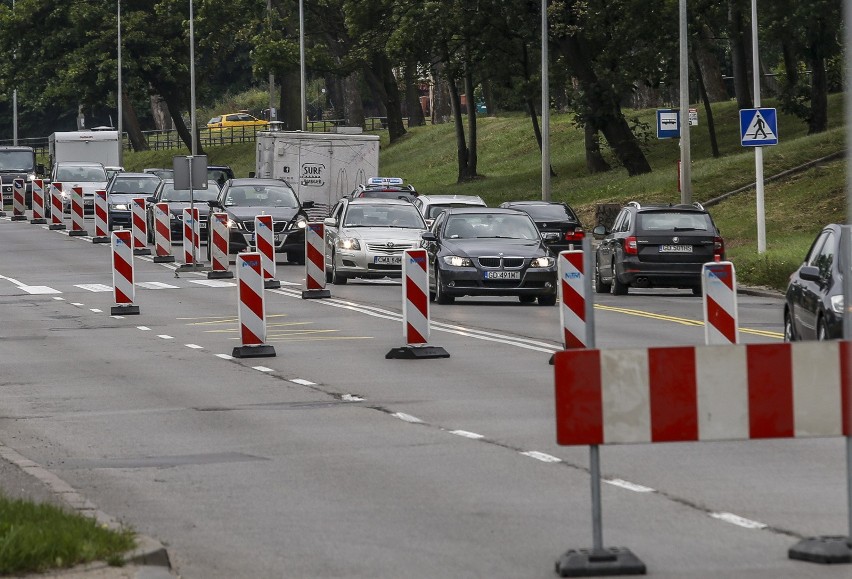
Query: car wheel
600, 286
789, 332
336, 278
821, 332
617, 288
440, 296
547, 300
526, 299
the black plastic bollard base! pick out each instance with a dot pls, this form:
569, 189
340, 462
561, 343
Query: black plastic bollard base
142, 251
262, 351
213, 274
100, 240
56, 227
38, 221
271, 284
591, 563
197, 267
124, 311
827, 550
164, 259
18, 218
78, 233
314, 294
416, 353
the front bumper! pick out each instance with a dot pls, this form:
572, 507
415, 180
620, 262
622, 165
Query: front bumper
471, 281
290, 242
371, 264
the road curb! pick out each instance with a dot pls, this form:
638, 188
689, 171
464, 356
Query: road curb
762, 292
149, 551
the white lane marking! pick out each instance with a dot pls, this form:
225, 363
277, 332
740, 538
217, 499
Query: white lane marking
225, 356
165, 336
118, 317
96, 310
466, 434
156, 285
194, 346
59, 299
303, 382
738, 520
541, 456
11, 279
94, 287
406, 417
39, 289
351, 398
213, 282
263, 369
617, 482
143, 328
78, 304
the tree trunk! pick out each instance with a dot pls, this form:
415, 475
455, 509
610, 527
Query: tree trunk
412, 96
818, 120
131, 125
488, 96
702, 92
472, 156
461, 147
595, 162
534, 118
740, 43
377, 93
353, 106
160, 113
396, 127
180, 126
442, 108
711, 71
290, 109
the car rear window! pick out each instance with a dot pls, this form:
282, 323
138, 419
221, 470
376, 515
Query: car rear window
552, 212
656, 221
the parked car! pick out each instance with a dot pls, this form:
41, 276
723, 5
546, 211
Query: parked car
366, 238
178, 201
240, 119
90, 177
489, 252
121, 190
656, 246
559, 225
385, 188
430, 206
243, 199
160, 172
112, 170
813, 305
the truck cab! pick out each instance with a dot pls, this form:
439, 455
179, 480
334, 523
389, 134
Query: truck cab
18, 163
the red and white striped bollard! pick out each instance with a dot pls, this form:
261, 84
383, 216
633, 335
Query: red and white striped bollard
124, 289
19, 200
101, 218
219, 247
77, 228
38, 202
315, 262
721, 318
264, 241
191, 236
572, 297
139, 226
162, 233
57, 207
251, 308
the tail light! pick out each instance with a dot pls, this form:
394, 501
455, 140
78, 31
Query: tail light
576, 235
718, 247
630, 246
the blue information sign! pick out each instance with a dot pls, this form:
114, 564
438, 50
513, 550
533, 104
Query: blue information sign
668, 123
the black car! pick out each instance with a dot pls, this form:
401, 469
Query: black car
178, 201
489, 252
813, 307
243, 199
559, 225
656, 246
121, 190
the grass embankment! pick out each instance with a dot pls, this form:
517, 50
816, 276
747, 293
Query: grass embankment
39, 537
509, 162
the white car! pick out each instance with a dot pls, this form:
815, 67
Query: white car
90, 177
430, 206
366, 238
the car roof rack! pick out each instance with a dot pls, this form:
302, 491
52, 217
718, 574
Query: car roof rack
697, 205
634, 204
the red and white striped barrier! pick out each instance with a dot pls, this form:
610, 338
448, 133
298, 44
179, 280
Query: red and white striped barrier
721, 318
251, 308
38, 202
57, 207
162, 233
415, 308
315, 262
19, 201
574, 298
219, 247
139, 226
77, 228
264, 240
191, 236
124, 289
101, 218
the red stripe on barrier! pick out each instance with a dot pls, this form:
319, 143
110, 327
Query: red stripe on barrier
315, 256
574, 301
720, 319
571, 341
121, 297
123, 268
415, 295
413, 336
579, 402
770, 390
846, 385
251, 300
673, 394
220, 243
248, 337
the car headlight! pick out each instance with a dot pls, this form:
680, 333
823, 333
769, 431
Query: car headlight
301, 223
837, 304
234, 224
31, 177
546, 261
457, 261
119, 207
65, 195
348, 243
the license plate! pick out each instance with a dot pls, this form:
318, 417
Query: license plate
202, 224
502, 275
388, 260
550, 236
675, 249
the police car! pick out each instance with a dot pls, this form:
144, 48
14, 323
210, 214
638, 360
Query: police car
384, 188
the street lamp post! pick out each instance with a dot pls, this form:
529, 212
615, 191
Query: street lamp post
758, 151
120, 96
545, 108
685, 152
302, 63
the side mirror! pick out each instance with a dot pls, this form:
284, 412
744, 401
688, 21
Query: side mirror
810, 273
151, 199
330, 222
40, 168
599, 231
307, 205
251, 174
429, 236
213, 204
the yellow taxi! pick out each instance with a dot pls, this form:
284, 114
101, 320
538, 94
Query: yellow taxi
240, 119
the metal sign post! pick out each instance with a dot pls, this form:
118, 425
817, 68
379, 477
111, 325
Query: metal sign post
190, 174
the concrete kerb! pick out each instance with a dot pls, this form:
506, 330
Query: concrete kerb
148, 551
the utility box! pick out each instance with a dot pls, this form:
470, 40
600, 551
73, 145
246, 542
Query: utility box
89, 146
321, 167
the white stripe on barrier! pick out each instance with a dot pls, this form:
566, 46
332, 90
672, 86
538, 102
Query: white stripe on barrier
219, 241
191, 235
626, 395
252, 307
264, 240
162, 229
101, 214
315, 256
723, 408
815, 408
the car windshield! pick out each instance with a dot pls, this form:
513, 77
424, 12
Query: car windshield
438, 208
170, 194
134, 185
404, 216
261, 196
490, 225
81, 174
550, 211
22, 161
655, 221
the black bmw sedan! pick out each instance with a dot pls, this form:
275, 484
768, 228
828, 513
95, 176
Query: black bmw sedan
477, 251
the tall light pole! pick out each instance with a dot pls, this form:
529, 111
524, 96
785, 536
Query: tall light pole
120, 96
271, 75
758, 151
685, 153
545, 108
14, 101
192, 84
302, 63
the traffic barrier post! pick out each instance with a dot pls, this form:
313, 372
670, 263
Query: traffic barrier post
315, 262
57, 207
575, 311
219, 247
191, 241
251, 308
139, 226
264, 241
162, 233
415, 309
38, 202
77, 228
19, 201
101, 218
719, 290
124, 289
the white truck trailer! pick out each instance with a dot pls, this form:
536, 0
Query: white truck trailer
321, 167
90, 146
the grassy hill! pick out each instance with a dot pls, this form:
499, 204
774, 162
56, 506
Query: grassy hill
509, 162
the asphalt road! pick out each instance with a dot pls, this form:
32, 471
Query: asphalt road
330, 461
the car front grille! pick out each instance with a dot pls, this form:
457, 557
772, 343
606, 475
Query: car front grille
398, 247
277, 226
504, 262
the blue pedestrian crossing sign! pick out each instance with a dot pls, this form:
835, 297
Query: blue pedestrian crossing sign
758, 127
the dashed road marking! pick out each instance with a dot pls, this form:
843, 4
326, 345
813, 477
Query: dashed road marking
165, 336
303, 382
225, 356
78, 304
143, 328
96, 310
407, 417
213, 282
617, 482
94, 287
738, 520
263, 369
351, 398
156, 285
543, 457
466, 434
194, 346
39, 289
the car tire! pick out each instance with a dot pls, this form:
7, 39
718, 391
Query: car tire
820, 329
336, 278
789, 331
440, 296
526, 299
617, 288
547, 300
600, 286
